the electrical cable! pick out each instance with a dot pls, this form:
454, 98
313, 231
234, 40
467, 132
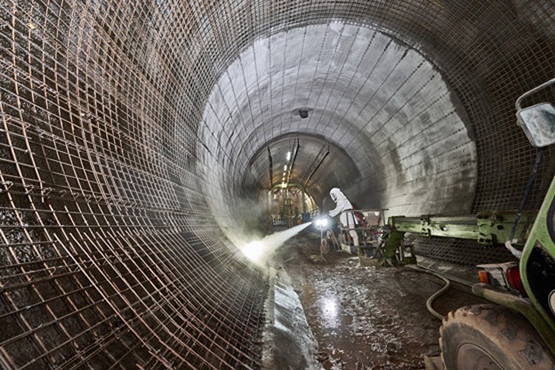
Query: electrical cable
526, 193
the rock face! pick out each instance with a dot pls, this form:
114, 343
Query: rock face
136, 140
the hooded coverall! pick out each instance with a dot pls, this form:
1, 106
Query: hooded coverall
347, 219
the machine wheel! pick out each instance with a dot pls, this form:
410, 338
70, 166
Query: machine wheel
491, 337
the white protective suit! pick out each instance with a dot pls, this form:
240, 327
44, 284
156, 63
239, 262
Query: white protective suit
347, 219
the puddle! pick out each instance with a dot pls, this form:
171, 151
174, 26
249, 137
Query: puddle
367, 317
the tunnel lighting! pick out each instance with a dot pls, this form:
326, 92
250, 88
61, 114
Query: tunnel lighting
376, 213
285, 168
288, 156
303, 113
283, 185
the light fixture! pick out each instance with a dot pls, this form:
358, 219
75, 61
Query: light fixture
288, 156
285, 168
321, 222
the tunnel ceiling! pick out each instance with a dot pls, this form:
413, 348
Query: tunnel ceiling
129, 142
324, 64
309, 156
373, 97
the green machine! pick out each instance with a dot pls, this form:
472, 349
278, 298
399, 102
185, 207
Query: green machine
516, 331
486, 228
489, 228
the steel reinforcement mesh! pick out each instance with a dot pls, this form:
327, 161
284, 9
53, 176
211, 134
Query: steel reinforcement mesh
109, 254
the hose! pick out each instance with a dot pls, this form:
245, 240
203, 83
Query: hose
437, 294
526, 193
324, 247
433, 297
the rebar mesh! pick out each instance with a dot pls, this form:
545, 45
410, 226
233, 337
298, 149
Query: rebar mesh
110, 255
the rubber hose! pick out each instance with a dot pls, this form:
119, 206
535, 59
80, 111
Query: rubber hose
437, 294
324, 248
433, 297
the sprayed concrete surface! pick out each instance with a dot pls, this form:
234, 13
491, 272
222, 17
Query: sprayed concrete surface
366, 317
288, 339
379, 100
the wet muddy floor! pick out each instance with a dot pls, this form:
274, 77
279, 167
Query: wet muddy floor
367, 317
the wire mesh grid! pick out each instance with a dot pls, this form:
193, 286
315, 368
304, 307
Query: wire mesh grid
109, 254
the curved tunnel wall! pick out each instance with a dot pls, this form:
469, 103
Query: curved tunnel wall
110, 252
379, 100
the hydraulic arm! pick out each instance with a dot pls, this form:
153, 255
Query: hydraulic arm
486, 228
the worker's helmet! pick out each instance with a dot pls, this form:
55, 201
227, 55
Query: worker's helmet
334, 194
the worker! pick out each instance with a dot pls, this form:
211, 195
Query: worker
347, 219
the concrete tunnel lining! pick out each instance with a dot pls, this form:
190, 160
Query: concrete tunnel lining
113, 184
372, 96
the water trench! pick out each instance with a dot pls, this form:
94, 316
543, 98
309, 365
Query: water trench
139, 141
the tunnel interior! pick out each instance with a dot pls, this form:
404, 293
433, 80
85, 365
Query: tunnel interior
138, 139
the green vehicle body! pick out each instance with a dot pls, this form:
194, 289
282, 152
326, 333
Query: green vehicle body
537, 264
537, 267
536, 271
541, 239
537, 261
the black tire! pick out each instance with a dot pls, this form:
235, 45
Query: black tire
491, 337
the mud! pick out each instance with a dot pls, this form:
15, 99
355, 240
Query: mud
367, 317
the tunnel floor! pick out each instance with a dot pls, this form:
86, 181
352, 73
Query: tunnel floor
367, 317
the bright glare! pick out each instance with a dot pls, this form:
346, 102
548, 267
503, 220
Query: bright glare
259, 251
329, 310
322, 222
254, 250
329, 306
376, 213
285, 168
288, 156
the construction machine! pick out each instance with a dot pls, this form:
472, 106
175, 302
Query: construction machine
517, 330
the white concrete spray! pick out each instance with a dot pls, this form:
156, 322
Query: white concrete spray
259, 251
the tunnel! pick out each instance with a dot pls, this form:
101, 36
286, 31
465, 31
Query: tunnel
139, 139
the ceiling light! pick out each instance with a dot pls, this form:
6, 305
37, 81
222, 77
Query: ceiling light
303, 113
285, 168
288, 156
